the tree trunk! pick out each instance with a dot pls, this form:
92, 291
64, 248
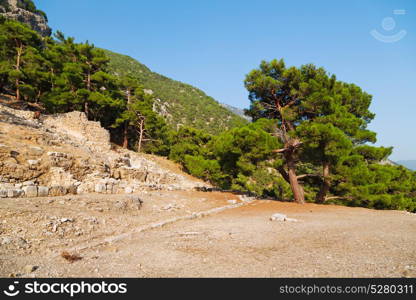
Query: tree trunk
326, 183
86, 108
17, 83
297, 189
284, 174
125, 137
89, 81
141, 132
89, 89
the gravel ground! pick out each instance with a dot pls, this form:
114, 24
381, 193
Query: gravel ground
114, 238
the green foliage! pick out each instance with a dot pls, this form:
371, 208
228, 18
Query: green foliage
188, 141
62, 76
20, 58
238, 159
139, 109
362, 183
321, 120
185, 104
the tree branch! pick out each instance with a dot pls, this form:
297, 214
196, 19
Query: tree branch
280, 150
337, 197
308, 175
284, 174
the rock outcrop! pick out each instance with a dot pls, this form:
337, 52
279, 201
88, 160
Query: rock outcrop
67, 154
35, 19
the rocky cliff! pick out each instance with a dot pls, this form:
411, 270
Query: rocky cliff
25, 12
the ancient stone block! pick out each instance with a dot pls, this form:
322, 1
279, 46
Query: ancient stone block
43, 191
57, 190
14, 193
30, 191
100, 188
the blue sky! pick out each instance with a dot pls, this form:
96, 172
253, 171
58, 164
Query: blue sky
212, 44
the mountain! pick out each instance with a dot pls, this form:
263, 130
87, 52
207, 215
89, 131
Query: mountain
26, 12
410, 164
178, 102
237, 111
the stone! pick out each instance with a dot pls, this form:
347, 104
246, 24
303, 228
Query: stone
80, 190
100, 188
136, 202
278, 217
281, 217
43, 191
29, 269
63, 220
3, 193
30, 191
21, 243
232, 201
14, 193
33, 163
57, 190
35, 151
120, 205
109, 188
5, 240
128, 190
72, 189
30, 182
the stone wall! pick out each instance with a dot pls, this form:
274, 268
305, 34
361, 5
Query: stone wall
76, 125
67, 154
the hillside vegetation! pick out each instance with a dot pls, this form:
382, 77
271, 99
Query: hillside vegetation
309, 140
180, 103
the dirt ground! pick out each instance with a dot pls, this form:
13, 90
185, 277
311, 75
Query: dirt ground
200, 234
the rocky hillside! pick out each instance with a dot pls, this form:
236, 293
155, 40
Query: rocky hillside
65, 153
179, 103
25, 11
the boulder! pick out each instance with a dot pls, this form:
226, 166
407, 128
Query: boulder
43, 191
35, 151
281, 217
30, 191
72, 189
14, 193
33, 163
29, 269
57, 190
100, 188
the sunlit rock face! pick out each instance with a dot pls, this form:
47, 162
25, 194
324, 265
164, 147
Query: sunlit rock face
15, 9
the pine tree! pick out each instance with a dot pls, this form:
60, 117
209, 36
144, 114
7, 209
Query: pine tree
20, 47
319, 119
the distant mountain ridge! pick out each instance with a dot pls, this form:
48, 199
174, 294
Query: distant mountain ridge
410, 164
180, 103
237, 111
